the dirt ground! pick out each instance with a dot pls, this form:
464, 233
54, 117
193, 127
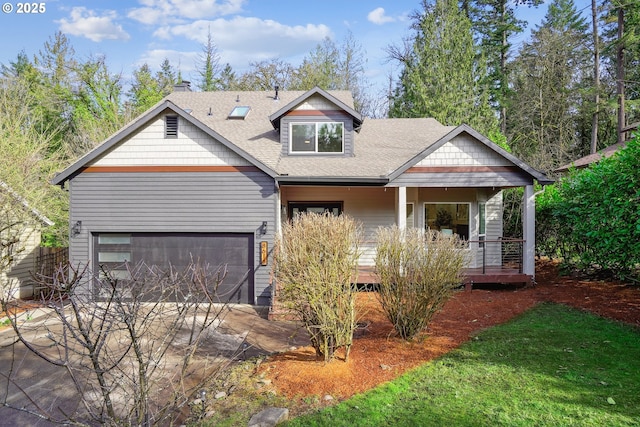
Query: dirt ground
378, 355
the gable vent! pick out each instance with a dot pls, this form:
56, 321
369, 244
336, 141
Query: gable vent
171, 126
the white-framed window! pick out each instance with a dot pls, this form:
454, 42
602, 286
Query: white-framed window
317, 137
482, 221
448, 218
113, 251
296, 208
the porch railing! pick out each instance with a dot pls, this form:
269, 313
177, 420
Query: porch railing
505, 253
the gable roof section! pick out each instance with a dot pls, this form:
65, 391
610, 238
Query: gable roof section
535, 174
585, 161
4, 187
383, 149
357, 117
141, 122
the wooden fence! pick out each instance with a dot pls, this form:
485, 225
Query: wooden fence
49, 259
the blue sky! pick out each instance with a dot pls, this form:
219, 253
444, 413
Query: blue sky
130, 33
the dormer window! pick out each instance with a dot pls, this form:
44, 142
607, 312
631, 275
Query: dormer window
319, 137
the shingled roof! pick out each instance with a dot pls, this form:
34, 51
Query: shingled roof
381, 146
585, 161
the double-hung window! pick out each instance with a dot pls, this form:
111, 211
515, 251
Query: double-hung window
318, 137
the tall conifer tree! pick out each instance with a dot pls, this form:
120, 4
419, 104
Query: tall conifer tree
442, 76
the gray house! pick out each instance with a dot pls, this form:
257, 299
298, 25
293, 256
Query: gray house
214, 174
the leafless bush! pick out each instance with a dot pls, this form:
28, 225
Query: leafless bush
316, 261
128, 345
417, 272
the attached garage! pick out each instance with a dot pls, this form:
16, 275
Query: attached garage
233, 250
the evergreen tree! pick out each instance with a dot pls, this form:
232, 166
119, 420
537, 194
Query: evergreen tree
145, 90
546, 97
97, 105
335, 67
494, 24
228, 79
320, 68
167, 77
621, 38
52, 79
209, 66
442, 75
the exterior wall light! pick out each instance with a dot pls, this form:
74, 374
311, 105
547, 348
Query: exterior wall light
76, 228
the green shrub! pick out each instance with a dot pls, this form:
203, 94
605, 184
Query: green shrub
417, 274
315, 263
593, 214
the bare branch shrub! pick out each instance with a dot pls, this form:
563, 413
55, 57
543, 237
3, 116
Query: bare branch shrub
315, 264
418, 271
128, 345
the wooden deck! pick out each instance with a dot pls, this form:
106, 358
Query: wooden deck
366, 275
494, 275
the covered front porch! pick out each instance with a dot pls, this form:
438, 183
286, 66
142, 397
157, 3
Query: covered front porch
476, 216
509, 269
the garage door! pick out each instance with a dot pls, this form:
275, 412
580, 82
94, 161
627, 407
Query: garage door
233, 250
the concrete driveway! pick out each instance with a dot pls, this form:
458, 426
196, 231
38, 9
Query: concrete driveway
28, 382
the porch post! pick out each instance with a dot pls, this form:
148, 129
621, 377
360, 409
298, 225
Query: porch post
529, 231
401, 208
278, 216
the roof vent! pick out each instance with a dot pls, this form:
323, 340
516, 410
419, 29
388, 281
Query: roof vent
275, 98
238, 98
171, 126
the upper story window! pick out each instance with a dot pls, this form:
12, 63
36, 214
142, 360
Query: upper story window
320, 137
171, 126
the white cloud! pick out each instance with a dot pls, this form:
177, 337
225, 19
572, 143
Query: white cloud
246, 39
146, 15
86, 23
162, 12
378, 17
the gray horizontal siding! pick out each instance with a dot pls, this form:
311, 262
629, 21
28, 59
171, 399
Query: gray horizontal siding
179, 202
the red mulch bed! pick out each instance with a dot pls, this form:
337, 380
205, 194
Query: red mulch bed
379, 356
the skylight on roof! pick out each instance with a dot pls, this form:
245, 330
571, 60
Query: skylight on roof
239, 112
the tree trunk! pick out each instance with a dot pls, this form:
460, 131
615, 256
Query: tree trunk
620, 75
596, 78
503, 72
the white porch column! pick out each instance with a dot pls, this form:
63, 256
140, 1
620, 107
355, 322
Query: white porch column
529, 231
278, 216
401, 207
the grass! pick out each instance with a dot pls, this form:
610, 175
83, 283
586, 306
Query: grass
552, 366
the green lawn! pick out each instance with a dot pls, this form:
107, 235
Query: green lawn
552, 366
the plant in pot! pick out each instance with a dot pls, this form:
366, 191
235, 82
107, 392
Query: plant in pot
443, 219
